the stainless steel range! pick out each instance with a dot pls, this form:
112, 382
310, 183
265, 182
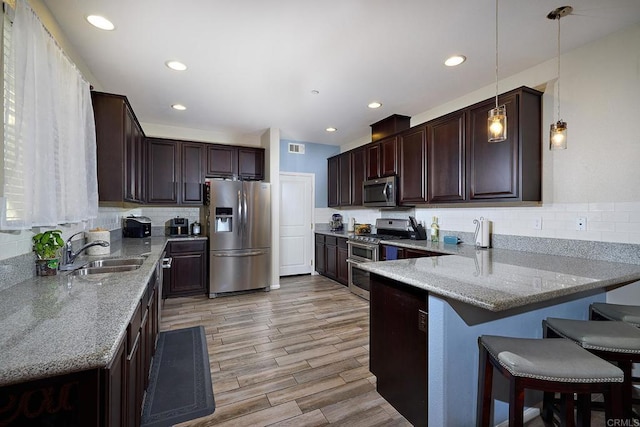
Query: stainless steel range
364, 248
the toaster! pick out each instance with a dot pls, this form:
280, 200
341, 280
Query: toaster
136, 226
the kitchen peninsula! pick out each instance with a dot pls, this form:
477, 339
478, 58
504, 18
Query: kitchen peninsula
447, 302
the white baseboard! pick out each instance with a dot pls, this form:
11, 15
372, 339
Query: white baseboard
529, 414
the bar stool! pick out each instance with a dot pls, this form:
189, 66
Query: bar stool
613, 341
620, 312
547, 365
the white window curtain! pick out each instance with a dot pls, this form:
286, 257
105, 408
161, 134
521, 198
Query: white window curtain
50, 172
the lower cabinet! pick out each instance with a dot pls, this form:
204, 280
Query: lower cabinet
331, 255
188, 272
109, 397
398, 346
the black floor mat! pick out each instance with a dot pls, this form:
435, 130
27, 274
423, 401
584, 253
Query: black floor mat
180, 386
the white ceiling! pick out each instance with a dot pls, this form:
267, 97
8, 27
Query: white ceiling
253, 63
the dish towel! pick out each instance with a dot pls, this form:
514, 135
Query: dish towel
391, 253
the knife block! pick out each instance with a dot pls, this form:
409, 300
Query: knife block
420, 232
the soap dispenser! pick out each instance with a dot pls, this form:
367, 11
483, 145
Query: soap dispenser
352, 225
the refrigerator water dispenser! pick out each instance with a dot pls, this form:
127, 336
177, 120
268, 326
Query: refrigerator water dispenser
223, 220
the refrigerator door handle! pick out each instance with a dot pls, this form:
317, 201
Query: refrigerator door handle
235, 254
239, 226
244, 213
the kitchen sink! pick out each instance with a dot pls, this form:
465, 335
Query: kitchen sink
104, 269
115, 262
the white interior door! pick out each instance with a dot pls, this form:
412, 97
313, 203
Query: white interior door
296, 219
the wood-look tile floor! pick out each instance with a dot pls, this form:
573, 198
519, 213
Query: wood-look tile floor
295, 356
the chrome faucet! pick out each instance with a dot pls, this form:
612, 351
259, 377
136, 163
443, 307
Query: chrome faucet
68, 256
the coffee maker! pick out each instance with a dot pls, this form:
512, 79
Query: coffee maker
336, 222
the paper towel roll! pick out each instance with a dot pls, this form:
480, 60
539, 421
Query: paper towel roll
485, 240
92, 236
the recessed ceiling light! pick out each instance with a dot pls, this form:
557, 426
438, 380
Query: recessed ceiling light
374, 104
331, 129
315, 92
179, 107
454, 60
100, 22
176, 65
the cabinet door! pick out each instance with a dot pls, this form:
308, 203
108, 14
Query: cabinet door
446, 159
187, 274
320, 254
412, 153
343, 267
331, 258
493, 167
389, 156
162, 171
131, 157
251, 163
373, 161
222, 161
116, 387
109, 115
332, 181
344, 179
192, 168
398, 350
358, 175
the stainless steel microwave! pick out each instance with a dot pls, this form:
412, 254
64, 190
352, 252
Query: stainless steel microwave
380, 192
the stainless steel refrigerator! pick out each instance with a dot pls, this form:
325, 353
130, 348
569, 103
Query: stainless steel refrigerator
237, 219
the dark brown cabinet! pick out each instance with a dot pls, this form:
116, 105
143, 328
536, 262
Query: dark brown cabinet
382, 158
358, 175
331, 257
228, 161
510, 170
163, 172
192, 173
115, 380
175, 172
446, 159
398, 346
188, 272
344, 180
346, 173
412, 158
120, 150
342, 267
320, 254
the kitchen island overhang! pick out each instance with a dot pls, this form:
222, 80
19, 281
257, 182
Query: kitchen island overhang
499, 292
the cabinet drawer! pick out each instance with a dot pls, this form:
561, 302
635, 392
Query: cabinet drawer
320, 238
331, 240
191, 246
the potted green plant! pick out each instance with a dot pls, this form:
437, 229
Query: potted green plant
47, 247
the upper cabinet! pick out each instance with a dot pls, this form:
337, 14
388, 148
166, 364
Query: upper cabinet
175, 172
449, 159
446, 159
120, 150
228, 161
510, 170
412, 158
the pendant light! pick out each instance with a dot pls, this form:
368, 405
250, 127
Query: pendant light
497, 120
558, 131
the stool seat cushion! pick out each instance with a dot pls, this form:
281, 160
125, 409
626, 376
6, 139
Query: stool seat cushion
612, 336
623, 313
550, 359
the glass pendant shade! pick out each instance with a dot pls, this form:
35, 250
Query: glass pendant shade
497, 123
558, 136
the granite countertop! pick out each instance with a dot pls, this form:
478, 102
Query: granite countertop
498, 279
341, 233
60, 324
